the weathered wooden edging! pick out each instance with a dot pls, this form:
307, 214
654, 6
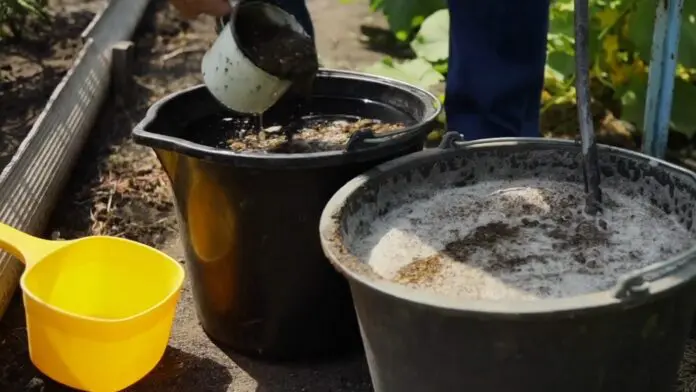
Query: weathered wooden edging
33, 180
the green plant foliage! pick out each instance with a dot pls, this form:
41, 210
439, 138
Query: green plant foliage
431, 45
620, 47
14, 15
641, 37
406, 15
621, 52
432, 41
418, 71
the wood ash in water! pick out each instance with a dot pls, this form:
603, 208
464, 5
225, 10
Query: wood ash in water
524, 239
313, 137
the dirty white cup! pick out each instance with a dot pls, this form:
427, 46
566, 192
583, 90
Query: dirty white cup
232, 78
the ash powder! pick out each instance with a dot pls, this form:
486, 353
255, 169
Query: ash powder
524, 239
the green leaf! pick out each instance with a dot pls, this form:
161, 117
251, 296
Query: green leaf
403, 15
432, 41
417, 71
441, 67
641, 28
442, 117
376, 5
683, 116
402, 35
561, 55
561, 37
561, 18
632, 97
687, 44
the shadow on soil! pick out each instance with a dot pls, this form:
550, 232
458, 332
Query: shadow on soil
383, 41
176, 369
348, 374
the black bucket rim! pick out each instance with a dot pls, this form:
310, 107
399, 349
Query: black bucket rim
403, 137
683, 271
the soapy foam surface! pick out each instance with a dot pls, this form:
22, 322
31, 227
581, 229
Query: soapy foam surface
526, 239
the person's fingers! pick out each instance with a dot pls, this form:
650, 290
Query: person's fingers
187, 8
192, 8
217, 8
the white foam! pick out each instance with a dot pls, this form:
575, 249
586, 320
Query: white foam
636, 236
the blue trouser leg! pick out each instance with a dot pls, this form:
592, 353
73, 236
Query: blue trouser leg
298, 9
496, 67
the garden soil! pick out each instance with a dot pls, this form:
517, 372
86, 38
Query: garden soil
31, 68
118, 188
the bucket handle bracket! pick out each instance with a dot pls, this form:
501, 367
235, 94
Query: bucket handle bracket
631, 287
366, 138
451, 140
637, 284
359, 139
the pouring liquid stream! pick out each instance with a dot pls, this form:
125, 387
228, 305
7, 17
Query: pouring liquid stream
282, 52
302, 88
296, 121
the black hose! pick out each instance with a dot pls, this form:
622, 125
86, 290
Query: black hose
582, 90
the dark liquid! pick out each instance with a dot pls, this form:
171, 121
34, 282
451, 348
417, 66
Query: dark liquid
217, 129
303, 101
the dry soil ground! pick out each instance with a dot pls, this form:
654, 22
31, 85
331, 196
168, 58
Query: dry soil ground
31, 68
118, 187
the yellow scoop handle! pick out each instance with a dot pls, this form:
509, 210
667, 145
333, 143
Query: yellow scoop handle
27, 248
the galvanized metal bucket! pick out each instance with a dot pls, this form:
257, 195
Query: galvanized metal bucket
627, 338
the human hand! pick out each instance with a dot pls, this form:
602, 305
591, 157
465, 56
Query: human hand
192, 8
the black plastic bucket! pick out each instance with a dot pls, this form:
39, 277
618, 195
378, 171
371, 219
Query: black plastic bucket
249, 222
630, 338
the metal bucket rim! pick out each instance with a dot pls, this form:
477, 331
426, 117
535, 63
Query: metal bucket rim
339, 257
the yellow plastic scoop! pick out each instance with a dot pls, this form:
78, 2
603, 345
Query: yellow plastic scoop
99, 310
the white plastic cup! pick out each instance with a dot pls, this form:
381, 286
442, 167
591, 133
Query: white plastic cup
232, 78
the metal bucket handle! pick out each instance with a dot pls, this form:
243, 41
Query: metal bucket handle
366, 138
451, 140
636, 284
630, 286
